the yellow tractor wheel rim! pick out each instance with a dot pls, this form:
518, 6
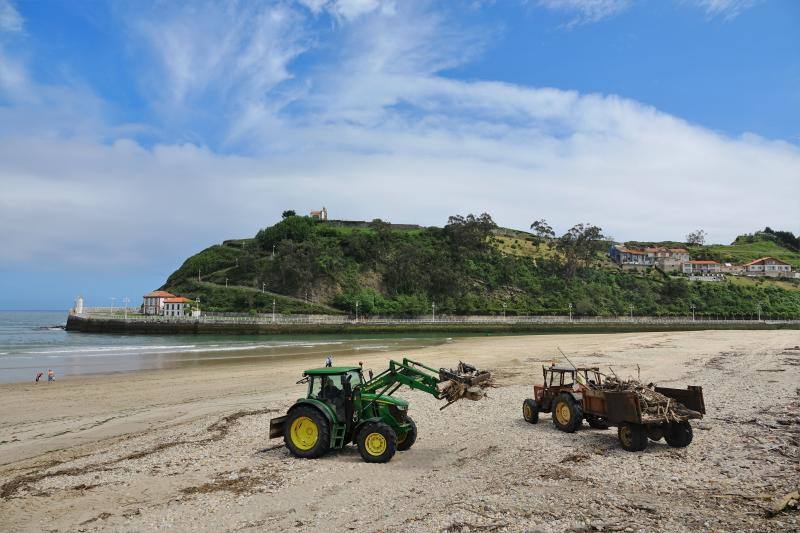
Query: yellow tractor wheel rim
526, 411
304, 433
625, 435
375, 443
563, 414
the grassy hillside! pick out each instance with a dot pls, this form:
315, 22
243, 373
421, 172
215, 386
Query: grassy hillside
467, 267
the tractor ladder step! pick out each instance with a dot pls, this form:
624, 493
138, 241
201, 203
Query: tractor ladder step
339, 431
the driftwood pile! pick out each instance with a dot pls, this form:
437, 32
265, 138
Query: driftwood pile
465, 381
655, 406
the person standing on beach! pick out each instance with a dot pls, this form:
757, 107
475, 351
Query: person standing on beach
329, 361
51, 376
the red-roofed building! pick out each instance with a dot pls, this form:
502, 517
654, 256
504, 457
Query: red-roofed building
768, 266
701, 268
175, 306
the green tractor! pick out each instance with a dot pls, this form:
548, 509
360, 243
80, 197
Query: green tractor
341, 407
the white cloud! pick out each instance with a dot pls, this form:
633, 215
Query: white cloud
726, 9
10, 19
377, 131
587, 10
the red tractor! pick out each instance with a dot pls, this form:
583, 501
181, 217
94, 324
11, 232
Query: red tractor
573, 394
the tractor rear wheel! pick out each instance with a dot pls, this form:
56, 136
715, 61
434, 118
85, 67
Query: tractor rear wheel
307, 433
632, 437
406, 440
530, 411
679, 434
567, 413
377, 442
596, 422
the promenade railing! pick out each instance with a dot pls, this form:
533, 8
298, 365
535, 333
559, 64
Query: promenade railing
268, 318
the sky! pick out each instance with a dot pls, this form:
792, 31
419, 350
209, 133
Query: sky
134, 134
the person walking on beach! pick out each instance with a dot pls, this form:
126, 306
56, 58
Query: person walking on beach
329, 361
39, 376
51, 376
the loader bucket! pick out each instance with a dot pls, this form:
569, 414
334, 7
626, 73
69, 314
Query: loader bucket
276, 426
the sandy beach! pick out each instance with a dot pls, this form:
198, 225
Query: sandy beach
187, 448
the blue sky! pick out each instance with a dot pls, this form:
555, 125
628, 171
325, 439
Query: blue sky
133, 134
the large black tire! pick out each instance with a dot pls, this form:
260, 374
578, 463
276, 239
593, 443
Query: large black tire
679, 434
567, 413
596, 422
377, 442
632, 437
307, 433
530, 411
407, 439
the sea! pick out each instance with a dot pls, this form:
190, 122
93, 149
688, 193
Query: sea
36, 341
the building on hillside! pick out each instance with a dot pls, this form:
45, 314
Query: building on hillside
768, 266
701, 268
153, 303
668, 259
176, 306
730, 268
320, 215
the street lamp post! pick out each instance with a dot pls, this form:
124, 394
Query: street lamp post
631, 309
273, 311
226, 283
263, 287
113, 302
693, 308
125, 302
357, 303
433, 312
758, 308
504, 310
273, 251
570, 312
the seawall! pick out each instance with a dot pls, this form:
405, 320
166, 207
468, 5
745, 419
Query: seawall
190, 327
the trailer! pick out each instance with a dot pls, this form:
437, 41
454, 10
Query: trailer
640, 413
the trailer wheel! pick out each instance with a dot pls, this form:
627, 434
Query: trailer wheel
567, 413
678, 434
530, 411
406, 440
597, 422
377, 442
306, 433
655, 433
632, 437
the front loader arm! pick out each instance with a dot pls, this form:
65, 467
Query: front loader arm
409, 373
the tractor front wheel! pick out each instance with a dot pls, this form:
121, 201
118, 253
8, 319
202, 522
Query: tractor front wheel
306, 433
406, 440
377, 442
530, 411
678, 434
632, 437
567, 413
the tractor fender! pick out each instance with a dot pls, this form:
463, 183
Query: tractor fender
362, 423
322, 407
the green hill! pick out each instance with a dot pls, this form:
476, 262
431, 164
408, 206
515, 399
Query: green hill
469, 266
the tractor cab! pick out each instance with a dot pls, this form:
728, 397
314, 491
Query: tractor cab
333, 386
563, 378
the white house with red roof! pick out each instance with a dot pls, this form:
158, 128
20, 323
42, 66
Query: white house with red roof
768, 266
701, 268
176, 306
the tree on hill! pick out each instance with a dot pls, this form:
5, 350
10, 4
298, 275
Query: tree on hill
696, 237
542, 232
288, 213
784, 238
579, 246
470, 233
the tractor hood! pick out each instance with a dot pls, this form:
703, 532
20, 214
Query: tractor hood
389, 400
